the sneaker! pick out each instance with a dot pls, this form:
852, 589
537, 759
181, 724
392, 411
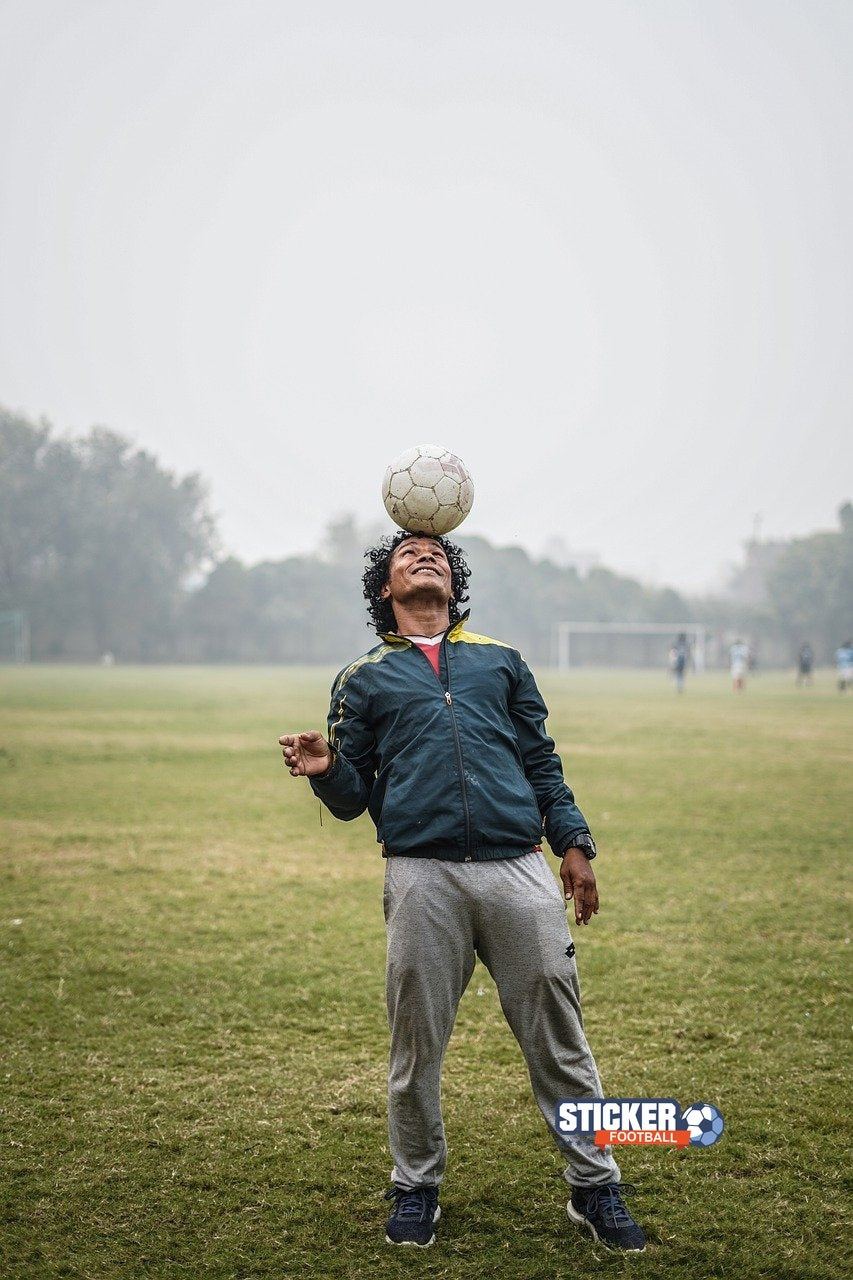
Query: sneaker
604, 1212
416, 1210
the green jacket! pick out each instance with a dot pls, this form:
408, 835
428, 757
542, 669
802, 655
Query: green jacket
458, 768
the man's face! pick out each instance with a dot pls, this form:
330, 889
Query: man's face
419, 570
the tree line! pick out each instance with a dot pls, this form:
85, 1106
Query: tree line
107, 552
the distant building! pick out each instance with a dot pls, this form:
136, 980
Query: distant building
748, 583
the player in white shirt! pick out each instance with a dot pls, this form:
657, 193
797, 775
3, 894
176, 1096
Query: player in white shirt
739, 662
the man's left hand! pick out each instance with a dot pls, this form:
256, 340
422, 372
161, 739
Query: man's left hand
579, 884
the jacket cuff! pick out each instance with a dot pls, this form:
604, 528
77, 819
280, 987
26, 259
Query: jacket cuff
333, 772
562, 843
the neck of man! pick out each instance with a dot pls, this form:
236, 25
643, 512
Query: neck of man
421, 618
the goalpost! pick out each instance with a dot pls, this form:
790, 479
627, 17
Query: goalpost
696, 632
14, 636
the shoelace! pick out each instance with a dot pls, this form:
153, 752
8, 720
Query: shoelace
608, 1201
409, 1204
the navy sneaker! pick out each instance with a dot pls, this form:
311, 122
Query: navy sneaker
603, 1211
416, 1210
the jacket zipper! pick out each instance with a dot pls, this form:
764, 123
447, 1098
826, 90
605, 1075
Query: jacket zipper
448, 698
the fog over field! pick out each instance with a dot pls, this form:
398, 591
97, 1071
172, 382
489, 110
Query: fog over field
601, 251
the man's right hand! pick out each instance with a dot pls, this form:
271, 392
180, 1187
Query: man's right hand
306, 755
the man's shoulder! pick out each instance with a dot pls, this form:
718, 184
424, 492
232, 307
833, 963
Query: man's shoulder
472, 637
487, 651
364, 662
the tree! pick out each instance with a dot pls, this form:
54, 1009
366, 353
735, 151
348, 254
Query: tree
811, 587
97, 541
99, 544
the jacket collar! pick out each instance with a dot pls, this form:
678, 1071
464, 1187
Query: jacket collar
391, 637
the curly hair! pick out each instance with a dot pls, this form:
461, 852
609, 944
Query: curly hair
376, 575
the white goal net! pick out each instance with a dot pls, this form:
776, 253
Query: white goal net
14, 636
629, 644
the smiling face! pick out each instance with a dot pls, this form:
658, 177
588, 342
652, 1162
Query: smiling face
419, 572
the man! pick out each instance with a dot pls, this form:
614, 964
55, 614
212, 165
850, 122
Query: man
739, 661
678, 656
805, 663
844, 665
440, 734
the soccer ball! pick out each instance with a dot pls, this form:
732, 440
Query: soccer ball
427, 490
705, 1124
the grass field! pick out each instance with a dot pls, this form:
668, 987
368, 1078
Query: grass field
191, 1008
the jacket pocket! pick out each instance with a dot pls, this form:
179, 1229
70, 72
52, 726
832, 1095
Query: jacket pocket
505, 809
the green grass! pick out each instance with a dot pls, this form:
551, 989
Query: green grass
191, 1009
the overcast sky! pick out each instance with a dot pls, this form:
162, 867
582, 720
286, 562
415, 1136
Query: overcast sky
601, 250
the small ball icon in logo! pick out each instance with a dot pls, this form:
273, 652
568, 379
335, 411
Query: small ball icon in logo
705, 1124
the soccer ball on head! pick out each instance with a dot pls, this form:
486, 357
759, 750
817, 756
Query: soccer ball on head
427, 490
704, 1122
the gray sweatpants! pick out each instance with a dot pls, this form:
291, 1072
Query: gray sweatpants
511, 914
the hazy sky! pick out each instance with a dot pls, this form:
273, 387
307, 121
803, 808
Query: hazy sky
601, 250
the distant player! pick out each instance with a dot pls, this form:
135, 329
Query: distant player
440, 734
844, 664
805, 663
678, 657
739, 664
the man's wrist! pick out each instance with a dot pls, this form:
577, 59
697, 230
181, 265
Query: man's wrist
584, 843
332, 761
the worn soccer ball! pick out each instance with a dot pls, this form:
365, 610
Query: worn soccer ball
427, 490
705, 1124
